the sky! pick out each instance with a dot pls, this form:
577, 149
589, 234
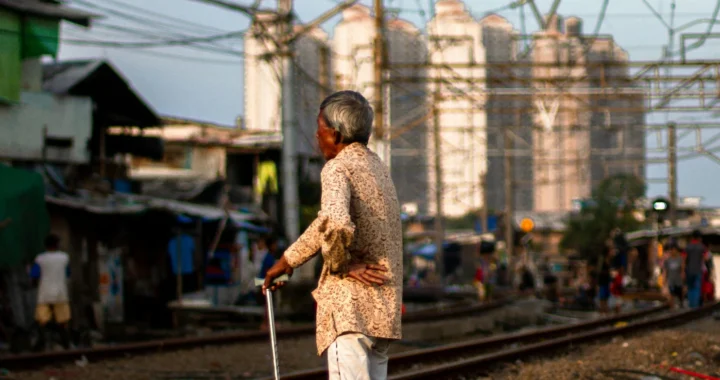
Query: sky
198, 84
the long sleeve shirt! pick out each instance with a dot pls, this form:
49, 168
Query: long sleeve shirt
359, 222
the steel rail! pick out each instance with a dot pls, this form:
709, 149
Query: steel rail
37, 360
410, 358
466, 366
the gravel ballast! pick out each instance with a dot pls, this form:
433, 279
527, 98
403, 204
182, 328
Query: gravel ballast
693, 347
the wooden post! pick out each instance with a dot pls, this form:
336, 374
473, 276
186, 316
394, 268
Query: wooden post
672, 173
324, 74
382, 142
439, 225
509, 201
178, 267
484, 209
102, 152
199, 252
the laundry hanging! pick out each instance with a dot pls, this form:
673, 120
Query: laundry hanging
267, 178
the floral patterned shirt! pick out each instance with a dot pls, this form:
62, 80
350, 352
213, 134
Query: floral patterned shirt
359, 222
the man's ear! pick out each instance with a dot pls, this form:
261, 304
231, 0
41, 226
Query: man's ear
338, 137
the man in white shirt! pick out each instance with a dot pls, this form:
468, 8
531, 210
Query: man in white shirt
52, 299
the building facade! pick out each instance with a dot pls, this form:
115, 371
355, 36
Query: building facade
580, 137
484, 87
406, 101
501, 50
459, 94
31, 118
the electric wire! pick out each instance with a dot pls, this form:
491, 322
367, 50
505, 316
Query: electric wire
142, 20
166, 29
185, 24
174, 57
163, 43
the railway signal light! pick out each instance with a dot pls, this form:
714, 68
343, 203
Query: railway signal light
661, 206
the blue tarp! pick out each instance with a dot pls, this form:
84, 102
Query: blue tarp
492, 224
428, 251
187, 248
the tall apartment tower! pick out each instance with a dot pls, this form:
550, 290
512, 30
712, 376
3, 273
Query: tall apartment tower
504, 111
580, 138
263, 78
353, 63
455, 39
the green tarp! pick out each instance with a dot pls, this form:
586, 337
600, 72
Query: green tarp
40, 37
22, 199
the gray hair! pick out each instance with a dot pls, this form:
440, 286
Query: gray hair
349, 113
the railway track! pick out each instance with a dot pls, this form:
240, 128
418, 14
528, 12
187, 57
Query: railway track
36, 360
449, 361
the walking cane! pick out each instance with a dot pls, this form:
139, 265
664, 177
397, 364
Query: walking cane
271, 322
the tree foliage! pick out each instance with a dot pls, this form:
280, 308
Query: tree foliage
611, 206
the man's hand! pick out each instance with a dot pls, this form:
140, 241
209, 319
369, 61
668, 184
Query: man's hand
280, 268
368, 274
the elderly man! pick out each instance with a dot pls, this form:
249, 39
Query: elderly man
358, 231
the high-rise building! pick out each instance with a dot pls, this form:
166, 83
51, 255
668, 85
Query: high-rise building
455, 40
504, 112
473, 116
580, 136
353, 62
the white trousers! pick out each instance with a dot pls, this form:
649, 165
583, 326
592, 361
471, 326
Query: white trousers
354, 356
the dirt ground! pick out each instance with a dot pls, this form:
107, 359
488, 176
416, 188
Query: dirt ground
693, 347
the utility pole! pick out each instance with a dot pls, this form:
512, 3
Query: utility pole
439, 225
672, 172
324, 72
509, 192
484, 209
289, 161
381, 142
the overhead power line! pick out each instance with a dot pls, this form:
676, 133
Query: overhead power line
163, 43
247, 10
142, 20
206, 43
147, 34
184, 24
181, 57
168, 28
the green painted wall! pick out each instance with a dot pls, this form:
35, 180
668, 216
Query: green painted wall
10, 60
21, 38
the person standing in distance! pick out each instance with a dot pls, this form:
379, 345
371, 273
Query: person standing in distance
52, 298
358, 231
695, 256
674, 270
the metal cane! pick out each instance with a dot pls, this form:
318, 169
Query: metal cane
271, 322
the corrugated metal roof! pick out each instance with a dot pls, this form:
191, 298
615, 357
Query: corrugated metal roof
672, 231
61, 77
111, 92
46, 9
140, 204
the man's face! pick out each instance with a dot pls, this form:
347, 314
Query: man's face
326, 138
